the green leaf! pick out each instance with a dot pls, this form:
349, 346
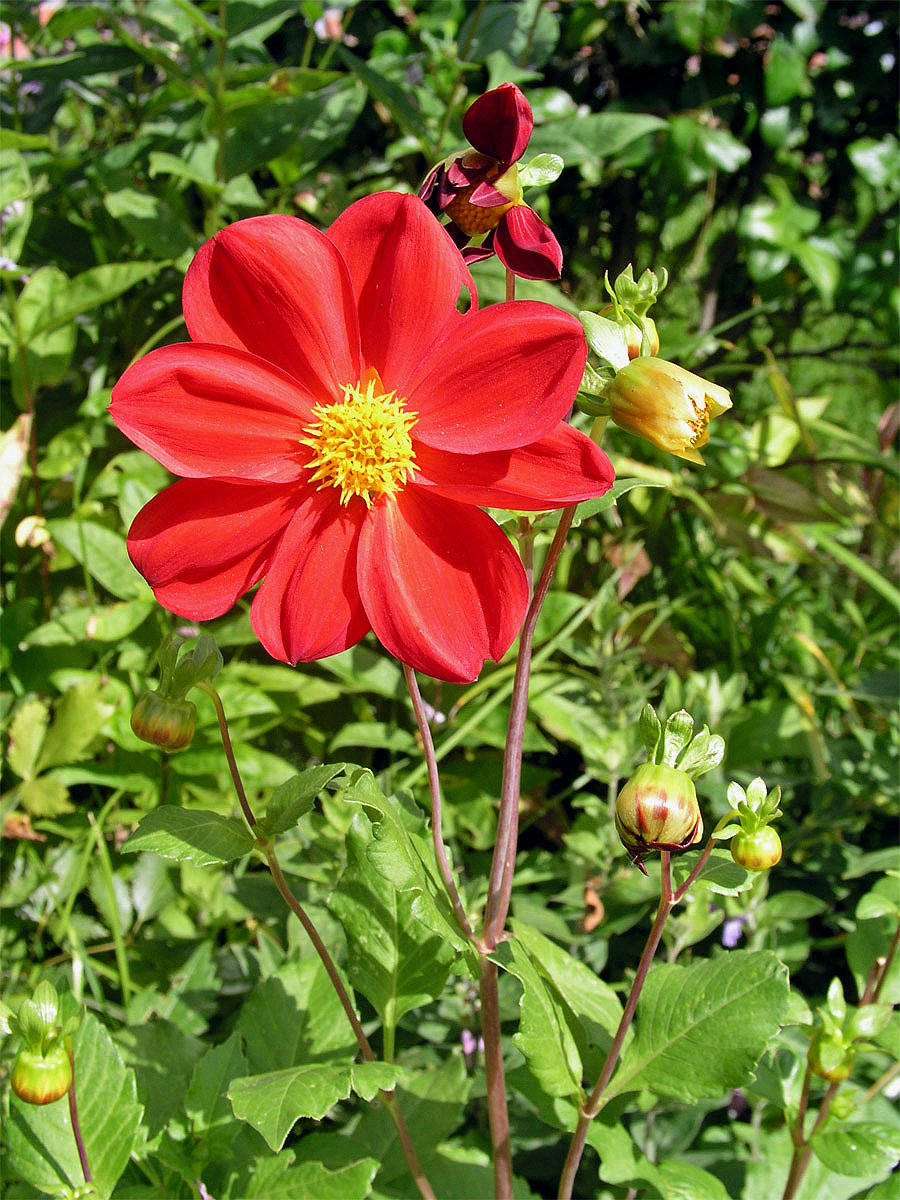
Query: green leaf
369, 1078
620, 1159
162, 1058
587, 997
273, 1180
86, 624
401, 850
544, 1037
295, 798
40, 1141
103, 554
150, 221
685, 1181
274, 1102
395, 959
190, 835
590, 508
26, 735
862, 1149
59, 300
388, 93
76, 723
701, 1029
720, 873
44, 797
300, 1002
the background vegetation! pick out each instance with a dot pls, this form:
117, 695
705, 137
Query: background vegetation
748, 147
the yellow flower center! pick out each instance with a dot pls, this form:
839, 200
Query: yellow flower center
474, 219
362, 444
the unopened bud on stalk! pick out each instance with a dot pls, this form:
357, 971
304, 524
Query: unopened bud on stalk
168, 724
40, 1077
164, 717
657, 809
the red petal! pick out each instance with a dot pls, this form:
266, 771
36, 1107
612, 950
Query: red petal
527, 246
407, 276
442, 585
215, 412
278, 288
201, 544
563, 468
505, 379
309, 606
499, 123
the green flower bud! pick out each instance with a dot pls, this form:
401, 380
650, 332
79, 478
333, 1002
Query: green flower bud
657, 809
829, 1058
163, 722
757, 851
42, 1078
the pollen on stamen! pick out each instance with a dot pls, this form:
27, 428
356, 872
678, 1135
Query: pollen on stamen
362, 444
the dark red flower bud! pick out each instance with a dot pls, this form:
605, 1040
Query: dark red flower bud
526, 246
499, 123
657, 809
166, 723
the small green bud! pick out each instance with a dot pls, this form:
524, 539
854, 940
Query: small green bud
829, 1058
757, 851
163, 722
42, 1078
657, 809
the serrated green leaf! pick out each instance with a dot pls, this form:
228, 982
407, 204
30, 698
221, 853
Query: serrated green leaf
44, 797
295, 798
274, 1102
26, 735
77, 718
587, 997
720, 873
401, 851
544, 1037
700, 1030
40, 1141
162, 1058
299, 1001
190, 835
395, 959
275, 1179
862, 1149
72, 297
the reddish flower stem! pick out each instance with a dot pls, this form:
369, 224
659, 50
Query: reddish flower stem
594, 1103
500, 884
387, 1098
434, 785
496, 1082
803, 1150
73, 1116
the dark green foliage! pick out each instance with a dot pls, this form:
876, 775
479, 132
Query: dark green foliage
751, 149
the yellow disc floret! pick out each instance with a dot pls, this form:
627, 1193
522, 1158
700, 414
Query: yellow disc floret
362, 445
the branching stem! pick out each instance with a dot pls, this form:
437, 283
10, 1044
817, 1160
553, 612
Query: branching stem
387, 1098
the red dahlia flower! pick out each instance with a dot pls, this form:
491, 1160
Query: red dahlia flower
481, 193
338, 423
